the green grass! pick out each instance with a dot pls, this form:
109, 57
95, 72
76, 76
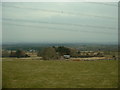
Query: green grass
59, 74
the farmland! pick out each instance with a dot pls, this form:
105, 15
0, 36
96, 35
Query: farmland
27, 73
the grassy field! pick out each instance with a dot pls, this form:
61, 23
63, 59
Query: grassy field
59, 74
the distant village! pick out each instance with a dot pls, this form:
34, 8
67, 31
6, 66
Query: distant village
57, 53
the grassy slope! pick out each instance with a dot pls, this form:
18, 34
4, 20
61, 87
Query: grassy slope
59, 74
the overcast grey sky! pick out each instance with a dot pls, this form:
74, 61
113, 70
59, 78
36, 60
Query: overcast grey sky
60, 22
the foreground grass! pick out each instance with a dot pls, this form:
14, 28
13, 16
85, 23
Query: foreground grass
59, 74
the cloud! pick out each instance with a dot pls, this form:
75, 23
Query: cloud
57, 23
49, 13
71, 22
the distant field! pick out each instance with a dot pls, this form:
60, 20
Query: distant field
18, 73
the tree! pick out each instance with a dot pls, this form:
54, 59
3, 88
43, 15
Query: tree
19, 53
48, 53
63, 50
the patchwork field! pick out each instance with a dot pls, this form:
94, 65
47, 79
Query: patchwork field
20, 73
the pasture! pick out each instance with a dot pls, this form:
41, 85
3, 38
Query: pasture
23, 73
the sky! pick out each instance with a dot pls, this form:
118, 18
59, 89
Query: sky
60, 22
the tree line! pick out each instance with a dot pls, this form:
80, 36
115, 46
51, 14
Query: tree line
18, 53
51, 53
